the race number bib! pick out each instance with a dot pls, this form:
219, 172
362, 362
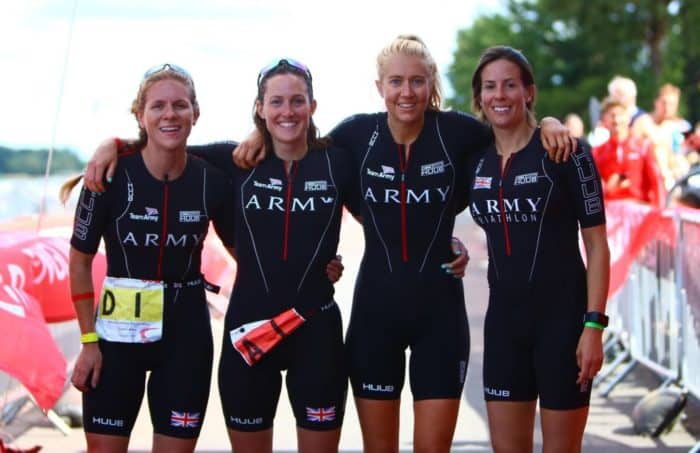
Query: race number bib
130, 311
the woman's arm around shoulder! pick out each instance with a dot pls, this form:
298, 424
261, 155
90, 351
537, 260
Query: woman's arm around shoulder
355, 129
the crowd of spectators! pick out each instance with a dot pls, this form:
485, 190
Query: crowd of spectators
643, 155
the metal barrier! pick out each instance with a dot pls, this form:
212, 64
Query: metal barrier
655, 315
690, 300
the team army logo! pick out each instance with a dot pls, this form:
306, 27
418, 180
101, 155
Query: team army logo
264, 201
515, 210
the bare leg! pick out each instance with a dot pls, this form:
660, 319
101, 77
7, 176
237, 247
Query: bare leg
434, 425
106, 443
379, 420
562, 431
309, 441
247, 442
168, 444
511, 425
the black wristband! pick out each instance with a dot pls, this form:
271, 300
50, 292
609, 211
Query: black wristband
596, 317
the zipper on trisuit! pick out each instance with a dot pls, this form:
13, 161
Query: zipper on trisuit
288, 206
501, 203
403, 166
164, 229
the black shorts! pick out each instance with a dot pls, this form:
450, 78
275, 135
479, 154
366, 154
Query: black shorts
433, 323
531, 353
316, 377
179, 382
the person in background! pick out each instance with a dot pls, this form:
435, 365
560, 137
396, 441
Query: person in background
627, 163
624, 91
545, 318
574, 124
152, 314
669, 134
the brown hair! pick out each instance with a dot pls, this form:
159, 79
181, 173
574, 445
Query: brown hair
313, 138
526, 76
412, 45
609, 103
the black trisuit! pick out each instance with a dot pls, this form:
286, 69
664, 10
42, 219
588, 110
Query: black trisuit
286, 231
531, 210
402, 296
154, 230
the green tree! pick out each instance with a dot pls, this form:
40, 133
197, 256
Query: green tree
33, 162
576, 47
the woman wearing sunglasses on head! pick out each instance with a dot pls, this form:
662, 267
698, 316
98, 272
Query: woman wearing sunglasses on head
152, 313
543, 327
287, 215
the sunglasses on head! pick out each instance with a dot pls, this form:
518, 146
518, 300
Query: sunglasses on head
284, 62
166, 67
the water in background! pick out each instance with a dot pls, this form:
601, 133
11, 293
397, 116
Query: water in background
21, 196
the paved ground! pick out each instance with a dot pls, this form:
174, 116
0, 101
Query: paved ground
610, 428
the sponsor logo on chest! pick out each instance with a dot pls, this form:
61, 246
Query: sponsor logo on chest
190, 216
273, 184
386, 172
154, 239
151, 215
315, 186
482, 182
274, 203
527, 178
393, 196
435, 168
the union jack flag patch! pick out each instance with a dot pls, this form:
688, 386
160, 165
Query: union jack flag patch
482, 182
320, 414
185, 419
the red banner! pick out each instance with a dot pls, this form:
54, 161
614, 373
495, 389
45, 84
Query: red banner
44, 261
28, 352
630, 227
35, 289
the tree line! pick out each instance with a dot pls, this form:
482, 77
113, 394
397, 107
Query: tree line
33, 162
577, 46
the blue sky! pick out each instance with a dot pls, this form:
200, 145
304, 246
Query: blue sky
223, 43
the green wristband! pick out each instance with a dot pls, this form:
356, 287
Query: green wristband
594, 325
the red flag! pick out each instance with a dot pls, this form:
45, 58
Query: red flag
28, 352
5, 449
631, 226
255, 339
44, 265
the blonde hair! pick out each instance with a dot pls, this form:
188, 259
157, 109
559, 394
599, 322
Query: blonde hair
412, 45
166, 72
67, 188
609, 103
669, 88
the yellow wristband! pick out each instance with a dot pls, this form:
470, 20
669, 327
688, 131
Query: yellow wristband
90, 337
